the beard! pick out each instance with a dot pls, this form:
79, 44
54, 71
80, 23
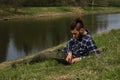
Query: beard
80, 36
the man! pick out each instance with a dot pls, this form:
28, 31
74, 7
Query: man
81, 44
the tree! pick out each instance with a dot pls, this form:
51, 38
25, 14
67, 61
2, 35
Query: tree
15, 4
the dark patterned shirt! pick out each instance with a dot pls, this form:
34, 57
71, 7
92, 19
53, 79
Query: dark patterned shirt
82, 46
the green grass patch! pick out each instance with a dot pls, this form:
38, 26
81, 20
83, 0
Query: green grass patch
46, 11
104, 67
39, 10
101, 8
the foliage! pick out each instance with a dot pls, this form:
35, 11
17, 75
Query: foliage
47, 3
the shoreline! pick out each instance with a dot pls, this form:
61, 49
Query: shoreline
35, 16
33, 57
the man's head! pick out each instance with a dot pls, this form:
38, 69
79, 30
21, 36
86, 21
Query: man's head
77, 28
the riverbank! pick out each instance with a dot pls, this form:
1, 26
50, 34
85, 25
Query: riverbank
35, 12
106, 66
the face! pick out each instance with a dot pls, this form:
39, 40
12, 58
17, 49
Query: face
77, 34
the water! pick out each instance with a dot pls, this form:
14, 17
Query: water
19, 38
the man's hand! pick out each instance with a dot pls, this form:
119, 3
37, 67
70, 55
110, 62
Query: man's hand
69, 57
74, 60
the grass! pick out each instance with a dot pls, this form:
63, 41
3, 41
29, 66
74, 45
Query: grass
102, 9
33, 11
39, 10
104, 67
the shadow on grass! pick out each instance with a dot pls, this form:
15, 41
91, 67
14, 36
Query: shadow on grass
57, 56
40, 60
59, 60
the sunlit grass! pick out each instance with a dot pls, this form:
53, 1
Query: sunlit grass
37, 10
5, 11
99, 10
104, 67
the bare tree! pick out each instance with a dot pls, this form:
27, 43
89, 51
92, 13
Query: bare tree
15, 4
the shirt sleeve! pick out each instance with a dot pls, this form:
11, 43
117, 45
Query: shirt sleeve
70, 44
91, 46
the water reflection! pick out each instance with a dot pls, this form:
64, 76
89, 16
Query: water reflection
4, 40
94, 24
12, 51
107, 22
23, 37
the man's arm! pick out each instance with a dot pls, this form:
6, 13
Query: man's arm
69, 50
69, 57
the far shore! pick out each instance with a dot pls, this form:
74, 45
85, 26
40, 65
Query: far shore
72, 11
